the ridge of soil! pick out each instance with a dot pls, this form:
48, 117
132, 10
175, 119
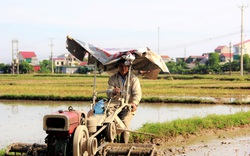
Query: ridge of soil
207, 141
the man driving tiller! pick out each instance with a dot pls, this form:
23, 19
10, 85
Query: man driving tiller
118, 83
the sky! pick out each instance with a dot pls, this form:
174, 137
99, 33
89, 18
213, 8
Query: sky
177, 28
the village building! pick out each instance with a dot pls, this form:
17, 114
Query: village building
30, 57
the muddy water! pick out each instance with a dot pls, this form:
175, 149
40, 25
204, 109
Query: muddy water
21, 121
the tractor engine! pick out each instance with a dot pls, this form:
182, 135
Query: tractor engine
60, 127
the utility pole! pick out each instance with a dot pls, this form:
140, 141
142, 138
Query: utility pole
15, 63
241, 38
184, 54
230, 63
51, 48
158, 40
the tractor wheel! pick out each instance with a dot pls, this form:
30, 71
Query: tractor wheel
80, 140
110, 132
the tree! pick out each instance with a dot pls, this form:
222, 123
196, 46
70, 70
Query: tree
25, 67
172, 67
45, 66
235, 65
200, 69
213, 62
246, 62
4, 67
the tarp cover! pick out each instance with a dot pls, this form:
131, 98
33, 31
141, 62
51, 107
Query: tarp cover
146, 63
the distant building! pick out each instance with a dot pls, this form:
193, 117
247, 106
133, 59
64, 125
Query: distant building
226, 57
165, 58
245, 50
178, 59
59, 61
197, 59
66, 63
192, 61
222, 49
67, 59
30, 57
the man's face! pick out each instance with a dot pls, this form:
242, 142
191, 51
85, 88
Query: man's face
123, 70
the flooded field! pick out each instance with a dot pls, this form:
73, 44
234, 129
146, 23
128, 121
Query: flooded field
21, 121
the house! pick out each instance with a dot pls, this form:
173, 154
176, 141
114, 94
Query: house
59, 61
66, 63
165, 58
180, 59
192, 61
222, 49
245, 50
69, 59
30, 57
226, 57
197, 59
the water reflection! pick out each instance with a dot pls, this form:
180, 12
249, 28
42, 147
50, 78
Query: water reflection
21, 121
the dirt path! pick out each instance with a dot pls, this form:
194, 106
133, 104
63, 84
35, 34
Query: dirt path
230, 142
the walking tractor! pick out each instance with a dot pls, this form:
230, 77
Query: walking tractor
97, 132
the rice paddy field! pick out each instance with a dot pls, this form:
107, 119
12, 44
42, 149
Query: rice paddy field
198, 89
168, 89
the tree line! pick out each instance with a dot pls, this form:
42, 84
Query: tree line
212, 66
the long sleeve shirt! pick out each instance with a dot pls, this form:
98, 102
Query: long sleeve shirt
134, 91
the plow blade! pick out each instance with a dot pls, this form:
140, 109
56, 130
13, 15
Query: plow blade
26, 149
131, 149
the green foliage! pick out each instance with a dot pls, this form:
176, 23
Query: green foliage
196, 124
211, 66
2, 152
4, 67
177, 68
246, 62
214, 60
25, 67
85, 70
45, 66
200, 69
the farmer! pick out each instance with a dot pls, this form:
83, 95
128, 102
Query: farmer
118, 83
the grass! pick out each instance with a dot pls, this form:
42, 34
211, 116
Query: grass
180, 89
194, 126
2, 152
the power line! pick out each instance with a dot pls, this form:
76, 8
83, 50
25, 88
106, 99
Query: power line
201, 41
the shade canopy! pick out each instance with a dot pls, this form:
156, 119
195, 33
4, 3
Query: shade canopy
146, 62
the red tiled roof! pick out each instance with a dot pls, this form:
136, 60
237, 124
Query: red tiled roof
227, 54
27, 54
192, 56
165, 56
219, 47
58, 58
242, 42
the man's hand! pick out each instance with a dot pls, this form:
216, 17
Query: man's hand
116, 90
133, 107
